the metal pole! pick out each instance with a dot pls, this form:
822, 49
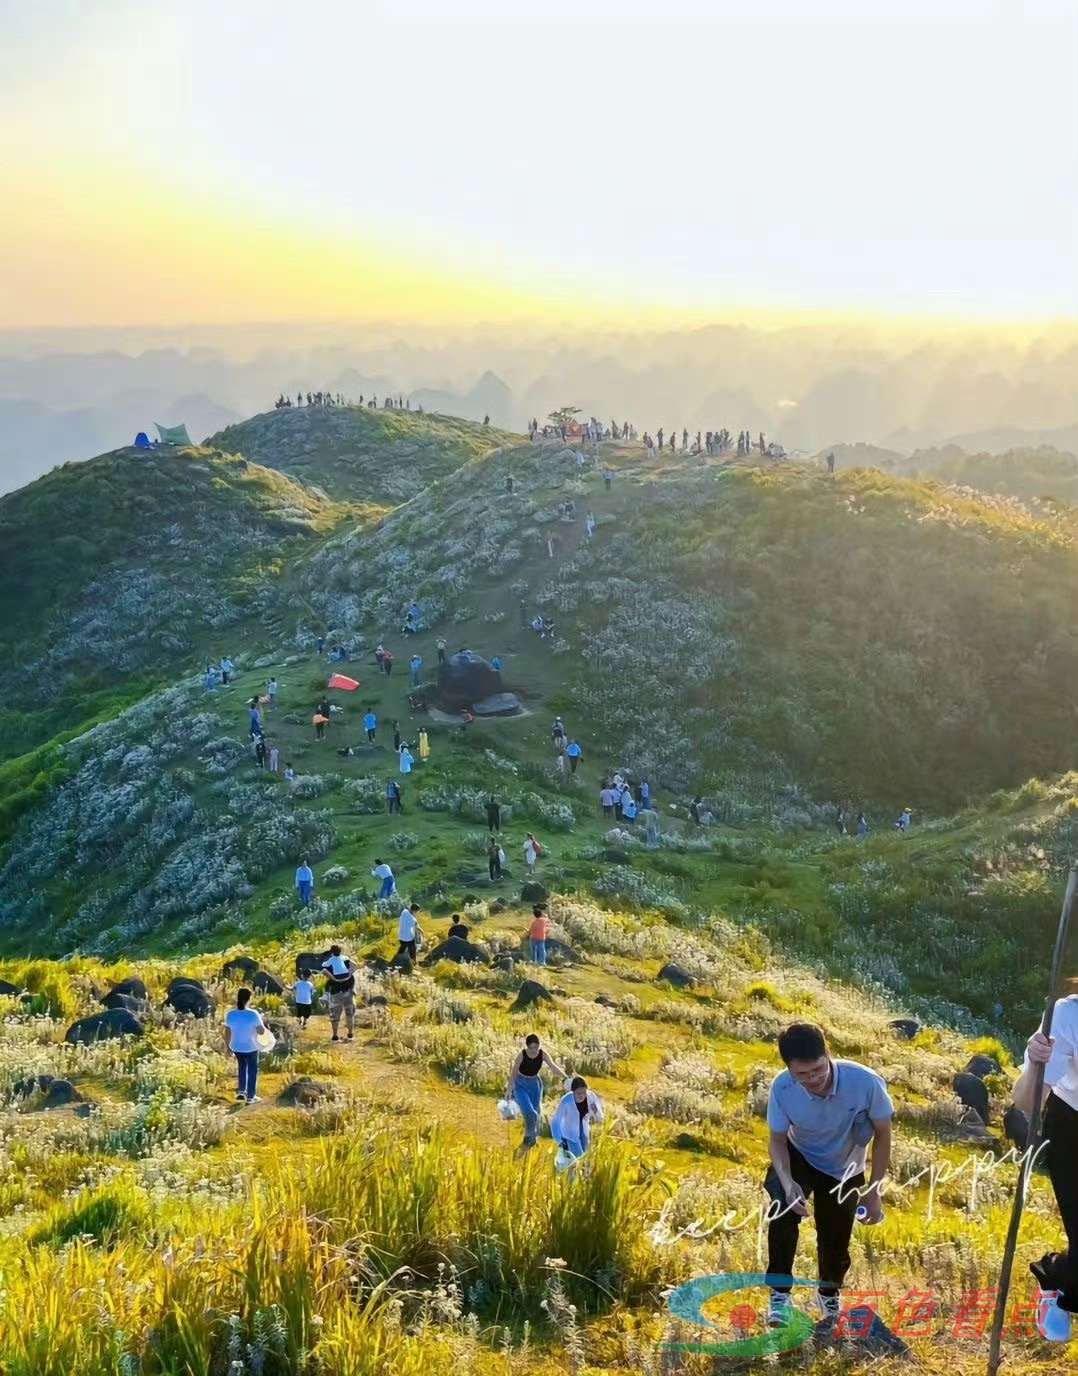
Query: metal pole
1033, 1139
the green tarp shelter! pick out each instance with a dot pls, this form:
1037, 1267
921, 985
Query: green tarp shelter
174, 434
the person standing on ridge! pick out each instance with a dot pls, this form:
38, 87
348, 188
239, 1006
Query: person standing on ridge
525, 1088
573, 753
822, 1114
494, 863
393, 797
370, 723
494, 814
416, 665
305, 883
862, 824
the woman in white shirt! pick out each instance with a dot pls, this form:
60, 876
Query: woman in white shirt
531, 852
243, 1027
1057, 1272
571, 1125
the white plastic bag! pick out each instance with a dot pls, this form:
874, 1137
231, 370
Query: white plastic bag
563, 1160
509, 1110
265, 1040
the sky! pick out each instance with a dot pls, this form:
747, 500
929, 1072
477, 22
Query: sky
245, 160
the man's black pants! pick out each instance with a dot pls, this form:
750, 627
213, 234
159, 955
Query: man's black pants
834, 1210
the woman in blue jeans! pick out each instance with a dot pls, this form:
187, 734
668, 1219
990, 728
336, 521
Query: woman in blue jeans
243, 1027
525, 1086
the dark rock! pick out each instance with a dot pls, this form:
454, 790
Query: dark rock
616, 857
191, 999
676, 975
906, 1028
61, 1093
531, 892
7, 990
973, 1093
310, 963
606, 1001
265, 983
982, 1066
499, 905
466, 679
497, 705
457, 949
1016, 1127
244, 966
140, 1007
132, 986
871, 1336
402, 963
113, 1022
377, 965
530, 993
304, 1093
85, 1110
504, 962
184, 982
469, 900
378, 1001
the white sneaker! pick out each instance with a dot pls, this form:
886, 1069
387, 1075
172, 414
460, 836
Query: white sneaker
255, 1099
830, 1306
779, 1309
1053, 1323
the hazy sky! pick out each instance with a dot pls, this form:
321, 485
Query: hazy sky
247, 159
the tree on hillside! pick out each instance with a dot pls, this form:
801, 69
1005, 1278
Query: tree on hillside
563, 415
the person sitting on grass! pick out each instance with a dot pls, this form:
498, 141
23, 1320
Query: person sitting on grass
526, 1088
243, 1027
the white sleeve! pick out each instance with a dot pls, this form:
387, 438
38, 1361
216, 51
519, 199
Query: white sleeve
1065, 1036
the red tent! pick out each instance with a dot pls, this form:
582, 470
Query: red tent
348, 684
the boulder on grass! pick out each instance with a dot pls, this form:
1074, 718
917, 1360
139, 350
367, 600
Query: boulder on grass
133, 987
677, 975
458, 950
557, 952
310, 963
182, 981
140, 1007
982, 1066
244, 966
1016, 1127
465, 679
906, 1028
605, 1001
60, 1094
402, 963
305, 1093
192, 1000
973, 1093
504, 962
530, 993
113, 1022
531, 892
265, 983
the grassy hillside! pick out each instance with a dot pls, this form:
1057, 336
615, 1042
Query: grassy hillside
390, 1222
387, 456
775, 640
114, 570
1043, 475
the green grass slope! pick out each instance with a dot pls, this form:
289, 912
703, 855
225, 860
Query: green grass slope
114, 570
355, 452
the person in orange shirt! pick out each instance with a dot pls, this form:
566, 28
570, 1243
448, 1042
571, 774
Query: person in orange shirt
537, 934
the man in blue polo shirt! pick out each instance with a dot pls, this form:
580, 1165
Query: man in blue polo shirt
822, 1114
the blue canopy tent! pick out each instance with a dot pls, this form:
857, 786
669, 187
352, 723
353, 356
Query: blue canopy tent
142, 440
